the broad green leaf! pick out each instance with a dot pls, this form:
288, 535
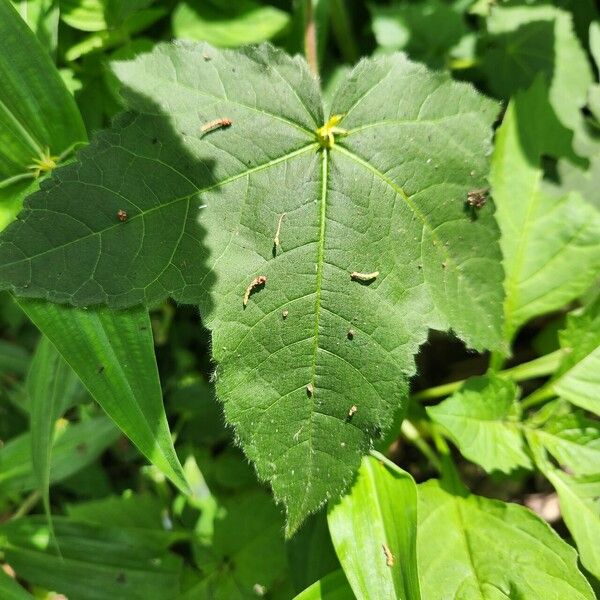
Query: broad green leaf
52, 387
75, 447
331, 587
96, 562
483, 420
579, 505
526, 41
38, 116
202, 215
42, 18
542, 236
425, 30
11, 590
580, 508
374, 531
225, 23
473, 547
113, 355
578, 376
569, 436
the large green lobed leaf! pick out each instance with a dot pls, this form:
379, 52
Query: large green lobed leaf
202, 214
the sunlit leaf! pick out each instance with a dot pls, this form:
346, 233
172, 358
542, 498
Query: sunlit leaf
225, 23
542, 236
472, 547
200, 212
483, 420
374, 531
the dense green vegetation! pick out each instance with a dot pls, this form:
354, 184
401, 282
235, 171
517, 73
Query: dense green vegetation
299, 299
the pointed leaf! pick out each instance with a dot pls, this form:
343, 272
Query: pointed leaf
542, 236
202, 212
472, 547
52, 387
113, 355
483, 420
380, 559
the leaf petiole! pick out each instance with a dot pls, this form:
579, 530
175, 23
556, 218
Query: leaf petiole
538, 367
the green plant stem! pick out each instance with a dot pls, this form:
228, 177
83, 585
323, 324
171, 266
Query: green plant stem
310, 38
27, 505
538, 367
538, 397
449, 473
342, 31
497, 360
412, 434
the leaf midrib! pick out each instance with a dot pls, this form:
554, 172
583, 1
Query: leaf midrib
142, 214
322, 214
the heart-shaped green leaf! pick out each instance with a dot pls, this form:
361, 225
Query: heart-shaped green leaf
320, 249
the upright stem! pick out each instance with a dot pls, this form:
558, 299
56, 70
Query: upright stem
411, 433
310, 38
538, 367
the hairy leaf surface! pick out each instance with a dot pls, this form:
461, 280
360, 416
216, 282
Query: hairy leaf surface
203, 210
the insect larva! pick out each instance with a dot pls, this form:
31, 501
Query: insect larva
356, 276
285, 314
276, 240
352, 410
351, 334
216, 124
310, 390
122, 215
389, 557
256, 282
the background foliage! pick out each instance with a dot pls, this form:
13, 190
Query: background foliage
118, 476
